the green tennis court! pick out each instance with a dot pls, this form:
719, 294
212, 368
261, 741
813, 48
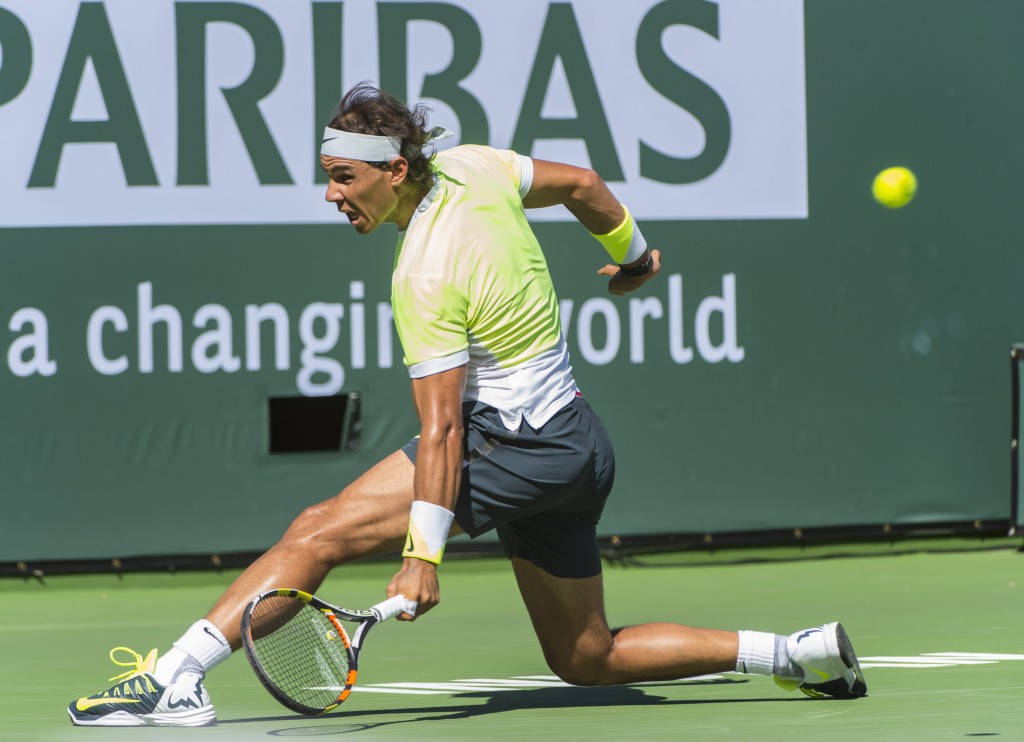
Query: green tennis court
939, 635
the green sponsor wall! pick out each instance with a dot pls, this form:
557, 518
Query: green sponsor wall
872, 386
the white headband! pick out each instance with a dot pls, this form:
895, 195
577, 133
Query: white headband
368, 147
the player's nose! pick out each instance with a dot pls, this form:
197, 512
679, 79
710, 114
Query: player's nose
334, 194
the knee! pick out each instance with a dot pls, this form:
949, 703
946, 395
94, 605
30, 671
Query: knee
583, 670
310, 532
307, 525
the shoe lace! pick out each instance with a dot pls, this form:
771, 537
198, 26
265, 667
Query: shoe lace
137, 664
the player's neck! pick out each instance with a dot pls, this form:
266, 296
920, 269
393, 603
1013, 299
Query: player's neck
408, 200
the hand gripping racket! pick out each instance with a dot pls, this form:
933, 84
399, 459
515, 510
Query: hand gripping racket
300, 651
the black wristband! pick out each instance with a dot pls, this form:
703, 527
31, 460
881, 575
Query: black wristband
640, 270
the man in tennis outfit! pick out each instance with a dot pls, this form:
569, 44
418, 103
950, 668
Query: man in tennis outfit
506, 442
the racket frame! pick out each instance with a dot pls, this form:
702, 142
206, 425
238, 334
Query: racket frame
365, 619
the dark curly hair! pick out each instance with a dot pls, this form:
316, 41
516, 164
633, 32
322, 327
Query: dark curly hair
369, 110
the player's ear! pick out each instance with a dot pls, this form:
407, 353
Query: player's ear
399, 171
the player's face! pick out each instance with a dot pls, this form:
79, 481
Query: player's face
361, 192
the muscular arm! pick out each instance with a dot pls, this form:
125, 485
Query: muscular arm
438, 400
589, 199
581, 191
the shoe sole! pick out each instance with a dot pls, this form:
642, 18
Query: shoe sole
840, 687
201, 717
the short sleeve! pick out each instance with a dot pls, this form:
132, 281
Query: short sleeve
518, 168
526, 177
431, 317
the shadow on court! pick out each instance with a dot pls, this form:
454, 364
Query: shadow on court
500, 702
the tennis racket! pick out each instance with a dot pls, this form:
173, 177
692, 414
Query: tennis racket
301, 652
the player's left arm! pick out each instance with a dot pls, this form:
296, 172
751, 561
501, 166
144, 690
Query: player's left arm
438, 474
588, 198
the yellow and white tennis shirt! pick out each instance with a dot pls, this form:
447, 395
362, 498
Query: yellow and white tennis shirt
471, 286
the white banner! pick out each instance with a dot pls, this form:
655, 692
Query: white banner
157, 112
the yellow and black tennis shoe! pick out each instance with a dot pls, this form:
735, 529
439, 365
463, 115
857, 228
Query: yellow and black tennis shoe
139, 700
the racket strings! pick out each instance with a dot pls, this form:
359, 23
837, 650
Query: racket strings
300, 649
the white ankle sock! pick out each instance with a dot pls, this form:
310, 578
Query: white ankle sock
756, 653
203, 643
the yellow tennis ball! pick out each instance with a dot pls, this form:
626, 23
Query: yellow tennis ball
894, 187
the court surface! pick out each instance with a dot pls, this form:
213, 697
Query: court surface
941, 637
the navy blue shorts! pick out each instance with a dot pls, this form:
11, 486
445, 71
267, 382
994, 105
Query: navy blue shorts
541, 490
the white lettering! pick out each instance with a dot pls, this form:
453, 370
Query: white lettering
94, 340
385, 331
36, 345
725, 305
676, 342
254, 318
312, 345
149, 316
357, 326
218, 338
584, 336
640, 309
651, 322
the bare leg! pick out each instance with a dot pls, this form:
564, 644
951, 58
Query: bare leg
369, 516
568, 616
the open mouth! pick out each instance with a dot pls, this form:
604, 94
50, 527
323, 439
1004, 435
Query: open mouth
354, 218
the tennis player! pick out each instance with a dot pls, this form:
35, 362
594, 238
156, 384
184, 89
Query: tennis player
507, 441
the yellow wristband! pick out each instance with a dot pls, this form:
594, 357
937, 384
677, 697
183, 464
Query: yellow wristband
428, 531
624, 244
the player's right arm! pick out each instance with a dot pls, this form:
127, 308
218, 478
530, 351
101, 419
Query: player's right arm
588, 198
438, 400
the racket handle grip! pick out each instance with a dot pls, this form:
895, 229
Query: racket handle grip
394, 606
